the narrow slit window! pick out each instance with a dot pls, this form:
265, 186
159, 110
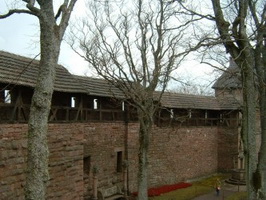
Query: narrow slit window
221, 117
73, 102
206, 114
7, 96
87, 165
95, 104
119, 161
189, 113
172, 114
123, 106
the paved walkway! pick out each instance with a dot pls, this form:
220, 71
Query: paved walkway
226, 191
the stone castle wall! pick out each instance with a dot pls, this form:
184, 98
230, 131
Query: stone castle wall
228, 141
65, 166
179, 154
102, 141
183, 153
176, 154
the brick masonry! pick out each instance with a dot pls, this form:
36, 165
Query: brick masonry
179, 154
102, 142
227, 147
65, 167
182, 154
176, 154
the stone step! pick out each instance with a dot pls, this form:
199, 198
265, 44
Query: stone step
235, 181
115, 197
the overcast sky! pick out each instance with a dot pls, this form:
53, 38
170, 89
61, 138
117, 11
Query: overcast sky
19, 34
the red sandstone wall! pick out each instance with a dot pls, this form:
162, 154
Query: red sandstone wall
175, 155
66, 161
13, 146
178, 154
182, 154
227, 147
102, 142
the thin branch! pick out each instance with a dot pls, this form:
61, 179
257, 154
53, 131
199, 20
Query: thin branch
16, 11
60, 10
30, 6
66, 12
193, 13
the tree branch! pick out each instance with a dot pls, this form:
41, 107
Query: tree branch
223, 27
192, 12
60, 10
30, 6
66, 12
16, 11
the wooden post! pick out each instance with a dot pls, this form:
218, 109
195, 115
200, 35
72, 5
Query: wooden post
95, 187
95, 184
125, 180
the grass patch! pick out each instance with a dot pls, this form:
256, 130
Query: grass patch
198, 188
238, 196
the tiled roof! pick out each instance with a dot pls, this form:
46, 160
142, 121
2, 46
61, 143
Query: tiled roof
229, 103
20, 70
231, 78
189, 101
99, 87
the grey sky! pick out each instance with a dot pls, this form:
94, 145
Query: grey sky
19, 34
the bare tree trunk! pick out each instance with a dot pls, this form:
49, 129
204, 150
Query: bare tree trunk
249, 127
50, 40
144, 133
143, 166
260, 175
239, 47
37, 163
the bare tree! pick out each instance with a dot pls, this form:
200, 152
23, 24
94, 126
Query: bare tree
241, 28
187, 85
134, 46
244, 38
51, 34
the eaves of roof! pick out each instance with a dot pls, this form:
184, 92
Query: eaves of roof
188, 101
19, 70
99, 87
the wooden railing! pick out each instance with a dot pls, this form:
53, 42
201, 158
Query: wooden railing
85, 114
10, 113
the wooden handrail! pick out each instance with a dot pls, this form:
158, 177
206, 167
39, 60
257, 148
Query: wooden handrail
19, 113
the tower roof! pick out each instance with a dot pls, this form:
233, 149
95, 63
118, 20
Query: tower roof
231, 78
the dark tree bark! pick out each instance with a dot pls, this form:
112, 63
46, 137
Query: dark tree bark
241, 26
51, 35
239, 43
146, 122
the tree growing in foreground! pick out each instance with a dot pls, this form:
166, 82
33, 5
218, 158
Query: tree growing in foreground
244, 37
134, 46
241, 28
52, 29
